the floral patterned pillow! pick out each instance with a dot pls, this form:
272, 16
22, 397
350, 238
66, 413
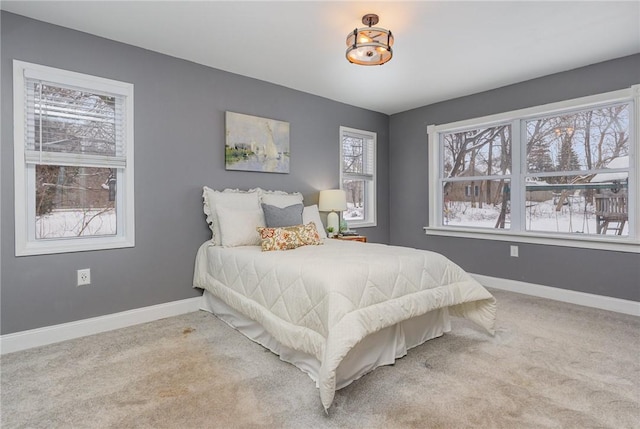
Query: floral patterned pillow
288, 237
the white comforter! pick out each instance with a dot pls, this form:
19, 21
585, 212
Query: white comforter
322, 300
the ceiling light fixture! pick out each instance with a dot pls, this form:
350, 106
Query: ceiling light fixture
369, 46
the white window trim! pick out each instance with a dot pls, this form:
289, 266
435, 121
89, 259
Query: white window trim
370, 200
24, 245
622, 244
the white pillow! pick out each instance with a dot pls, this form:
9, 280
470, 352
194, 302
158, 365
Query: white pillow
280, 199
238, 227
229, 198
311, 214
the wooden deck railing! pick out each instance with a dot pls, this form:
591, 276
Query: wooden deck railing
611, 209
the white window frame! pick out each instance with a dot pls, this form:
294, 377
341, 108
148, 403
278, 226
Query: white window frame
24, 174
518, 233
370, 180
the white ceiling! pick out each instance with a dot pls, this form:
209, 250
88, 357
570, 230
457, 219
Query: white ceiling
443, 49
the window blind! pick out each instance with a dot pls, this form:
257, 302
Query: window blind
66, 125
358, 156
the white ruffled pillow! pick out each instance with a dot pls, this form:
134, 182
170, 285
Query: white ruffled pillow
229, 198
279, 198
238, 227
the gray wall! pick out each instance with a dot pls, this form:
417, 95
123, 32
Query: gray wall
179, 147
614, 274
179, 139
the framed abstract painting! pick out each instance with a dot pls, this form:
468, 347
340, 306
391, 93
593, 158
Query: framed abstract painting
256, 144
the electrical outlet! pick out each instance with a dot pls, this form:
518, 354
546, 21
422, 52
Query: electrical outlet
514, 251
84, 277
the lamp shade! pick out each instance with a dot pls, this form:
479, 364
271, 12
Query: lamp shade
332, 200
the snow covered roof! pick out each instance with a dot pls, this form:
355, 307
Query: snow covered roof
619, 162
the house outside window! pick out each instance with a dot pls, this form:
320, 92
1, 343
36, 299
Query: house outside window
73, 157
471, 191
565, 174
358, 176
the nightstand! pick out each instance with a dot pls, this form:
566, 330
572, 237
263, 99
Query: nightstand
361, 238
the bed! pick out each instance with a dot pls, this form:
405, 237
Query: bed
335, 309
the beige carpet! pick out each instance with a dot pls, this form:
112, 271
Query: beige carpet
550, 365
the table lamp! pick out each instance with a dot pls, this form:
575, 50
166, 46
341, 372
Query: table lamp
333, 200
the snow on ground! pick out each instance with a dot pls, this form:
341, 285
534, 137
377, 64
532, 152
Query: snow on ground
70, 223
572, 217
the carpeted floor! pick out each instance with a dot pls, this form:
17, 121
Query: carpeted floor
550, 365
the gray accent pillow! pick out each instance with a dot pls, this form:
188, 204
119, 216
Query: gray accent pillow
275, 217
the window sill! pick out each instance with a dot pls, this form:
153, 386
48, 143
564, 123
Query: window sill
583, 242
48, 247
362, 224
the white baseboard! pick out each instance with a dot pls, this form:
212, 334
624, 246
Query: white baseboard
580, 298
66, 331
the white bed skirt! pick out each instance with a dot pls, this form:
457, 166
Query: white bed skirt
380, 348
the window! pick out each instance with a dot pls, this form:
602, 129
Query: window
476, 175
358, 176
73, 157
565, 173
468, 192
